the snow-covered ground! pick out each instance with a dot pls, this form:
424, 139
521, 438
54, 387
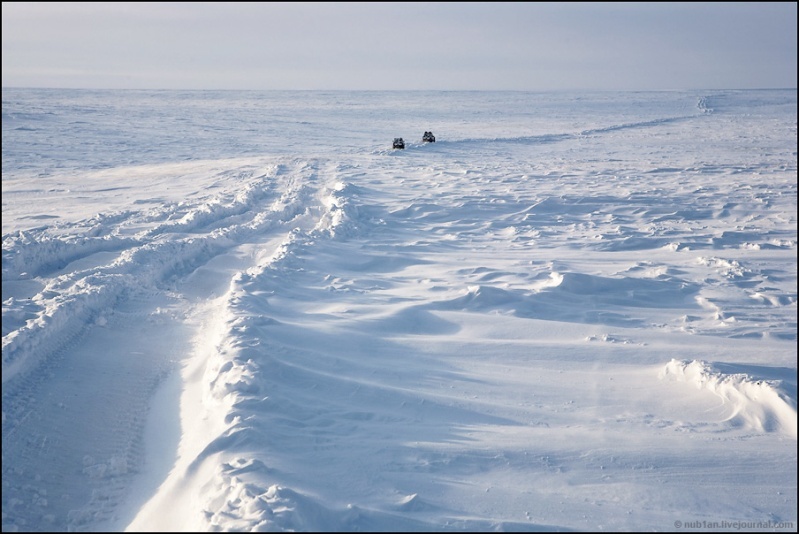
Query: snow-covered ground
245, 311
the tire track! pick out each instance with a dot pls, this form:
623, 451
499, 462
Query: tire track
107, 336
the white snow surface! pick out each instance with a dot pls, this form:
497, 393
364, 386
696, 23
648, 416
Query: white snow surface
243, 311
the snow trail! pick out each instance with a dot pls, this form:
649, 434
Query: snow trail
570, 312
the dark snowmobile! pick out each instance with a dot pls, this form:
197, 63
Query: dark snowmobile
428, 137
398, 143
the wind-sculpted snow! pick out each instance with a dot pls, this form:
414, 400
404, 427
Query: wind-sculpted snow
760, 405
568, 313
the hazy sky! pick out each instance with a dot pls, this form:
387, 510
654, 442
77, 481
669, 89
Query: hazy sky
521, 46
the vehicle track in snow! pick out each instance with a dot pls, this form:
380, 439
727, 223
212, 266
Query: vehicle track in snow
65, 371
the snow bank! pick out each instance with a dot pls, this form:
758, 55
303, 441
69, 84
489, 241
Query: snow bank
759, 405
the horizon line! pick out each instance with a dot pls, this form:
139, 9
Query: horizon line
40, 88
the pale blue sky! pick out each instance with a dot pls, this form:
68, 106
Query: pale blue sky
406, 46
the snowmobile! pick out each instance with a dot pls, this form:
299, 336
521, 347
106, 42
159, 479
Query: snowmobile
398, 143
428, 137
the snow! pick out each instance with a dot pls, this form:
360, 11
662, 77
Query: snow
245, 311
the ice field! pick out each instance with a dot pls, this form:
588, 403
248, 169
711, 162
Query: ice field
245, 311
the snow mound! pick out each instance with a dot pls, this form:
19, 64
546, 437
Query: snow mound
761, 405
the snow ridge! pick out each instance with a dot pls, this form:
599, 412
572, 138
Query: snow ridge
757, 404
